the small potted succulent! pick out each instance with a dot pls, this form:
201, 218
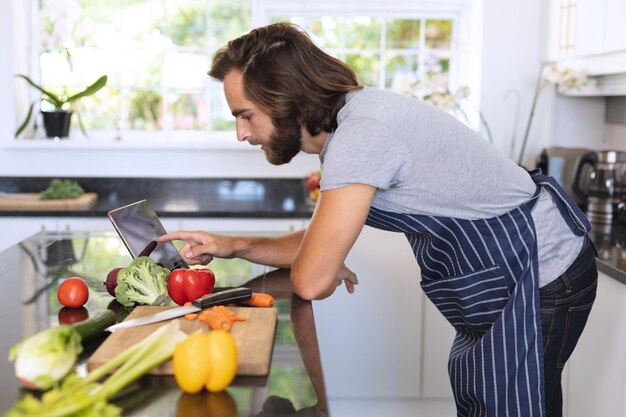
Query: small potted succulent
57, 122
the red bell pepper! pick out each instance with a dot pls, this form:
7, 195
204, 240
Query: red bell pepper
185, 285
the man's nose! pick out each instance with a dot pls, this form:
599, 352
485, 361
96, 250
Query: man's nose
242, 132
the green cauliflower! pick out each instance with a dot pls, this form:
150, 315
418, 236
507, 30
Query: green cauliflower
142, 282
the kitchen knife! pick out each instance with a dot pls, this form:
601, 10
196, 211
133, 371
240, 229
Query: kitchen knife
231, 295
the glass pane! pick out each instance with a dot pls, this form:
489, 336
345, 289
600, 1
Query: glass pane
228, 20
141, 24
186, 23
367, 68
142, 67
436, 64
55, 69
89, 64
398, 68
57, 24
185, 70
362, 33
187, 111
438, 34
101, 110
278, 19
144, 109
325, 31
403, 34
221, 117
97, 25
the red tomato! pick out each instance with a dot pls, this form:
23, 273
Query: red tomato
188, 284
73, 292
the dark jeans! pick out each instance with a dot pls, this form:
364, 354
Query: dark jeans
565, 306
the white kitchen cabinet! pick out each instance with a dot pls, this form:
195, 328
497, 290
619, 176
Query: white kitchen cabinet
588, 27
438, 337
576, 28
596, 378
589, 35
371, 341
615, 30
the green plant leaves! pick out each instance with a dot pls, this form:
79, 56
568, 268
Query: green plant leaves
26, 120
97, 85
49, 96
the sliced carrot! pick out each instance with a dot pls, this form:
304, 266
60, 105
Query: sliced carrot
259, 299
191, 316
215, 320
228, 313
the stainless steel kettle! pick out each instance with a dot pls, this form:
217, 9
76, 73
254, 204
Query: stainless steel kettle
603, 184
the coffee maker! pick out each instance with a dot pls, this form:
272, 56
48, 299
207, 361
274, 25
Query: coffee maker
604, 184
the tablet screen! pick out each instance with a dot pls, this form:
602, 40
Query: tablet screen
139, 227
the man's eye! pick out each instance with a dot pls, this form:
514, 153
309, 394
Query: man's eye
245, 117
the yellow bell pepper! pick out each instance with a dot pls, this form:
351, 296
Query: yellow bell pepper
205, 360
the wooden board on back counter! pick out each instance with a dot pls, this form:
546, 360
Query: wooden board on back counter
254, 338
31, 202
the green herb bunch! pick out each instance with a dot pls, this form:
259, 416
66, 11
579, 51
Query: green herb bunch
62, 189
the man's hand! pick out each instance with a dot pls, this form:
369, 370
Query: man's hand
348, 277
201, 247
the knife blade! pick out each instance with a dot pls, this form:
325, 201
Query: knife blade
231, 295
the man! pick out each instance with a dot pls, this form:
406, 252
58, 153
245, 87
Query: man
504, 255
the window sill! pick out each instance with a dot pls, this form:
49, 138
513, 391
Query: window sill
143, 141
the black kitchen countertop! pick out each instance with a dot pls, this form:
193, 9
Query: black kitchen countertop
180, 197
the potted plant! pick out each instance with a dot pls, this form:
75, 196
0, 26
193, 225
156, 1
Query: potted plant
57, 122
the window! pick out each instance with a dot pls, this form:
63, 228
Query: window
156, 54
379, 49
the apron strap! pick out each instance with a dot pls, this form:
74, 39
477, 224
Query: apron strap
580, 224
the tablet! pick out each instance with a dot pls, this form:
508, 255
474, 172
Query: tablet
139, 227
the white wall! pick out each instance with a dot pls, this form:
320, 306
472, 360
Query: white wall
511, 60
513, 47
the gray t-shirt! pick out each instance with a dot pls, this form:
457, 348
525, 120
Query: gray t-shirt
424, 161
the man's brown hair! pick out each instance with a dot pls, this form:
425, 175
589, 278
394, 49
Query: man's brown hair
287, 75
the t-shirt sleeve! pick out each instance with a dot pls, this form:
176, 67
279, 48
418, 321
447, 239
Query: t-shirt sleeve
362, 151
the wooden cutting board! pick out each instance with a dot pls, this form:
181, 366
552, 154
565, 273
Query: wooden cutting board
254, 338
31, 202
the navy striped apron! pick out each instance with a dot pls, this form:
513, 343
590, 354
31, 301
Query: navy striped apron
483, 277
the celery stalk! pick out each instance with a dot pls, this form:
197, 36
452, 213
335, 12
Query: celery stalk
85, 395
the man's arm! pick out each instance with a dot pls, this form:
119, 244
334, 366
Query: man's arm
200, 247
336, 223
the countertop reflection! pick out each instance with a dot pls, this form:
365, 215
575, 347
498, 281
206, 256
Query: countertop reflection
610, 242
32, 270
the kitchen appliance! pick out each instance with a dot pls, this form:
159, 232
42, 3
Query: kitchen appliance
603, 184
561, 163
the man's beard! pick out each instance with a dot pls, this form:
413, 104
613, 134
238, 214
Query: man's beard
285, 141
